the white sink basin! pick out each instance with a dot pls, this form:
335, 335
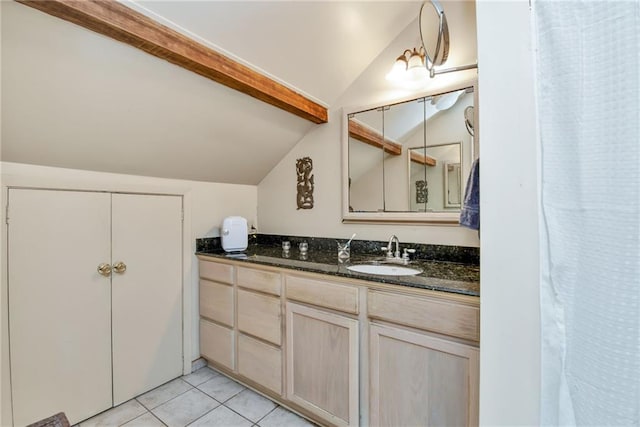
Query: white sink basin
384, 269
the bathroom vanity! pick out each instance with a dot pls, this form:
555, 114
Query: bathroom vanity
340, 347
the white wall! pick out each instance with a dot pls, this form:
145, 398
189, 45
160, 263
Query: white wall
76, 99
509, 266
277, 191
205, 204
4, 360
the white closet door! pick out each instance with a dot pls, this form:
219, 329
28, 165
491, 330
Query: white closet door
59, 305
147, 297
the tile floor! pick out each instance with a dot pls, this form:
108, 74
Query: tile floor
203, 398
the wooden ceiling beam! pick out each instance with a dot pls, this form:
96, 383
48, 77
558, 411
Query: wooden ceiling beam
114, 20
363, 133
422, 159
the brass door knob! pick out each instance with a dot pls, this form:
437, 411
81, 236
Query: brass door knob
120, 267
104, 269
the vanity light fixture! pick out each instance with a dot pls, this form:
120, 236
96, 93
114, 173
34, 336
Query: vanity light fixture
410, 66
418, 64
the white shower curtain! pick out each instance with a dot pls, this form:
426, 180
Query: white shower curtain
588, 100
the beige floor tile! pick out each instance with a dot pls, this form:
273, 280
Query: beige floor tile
280, 417
164, 393
222, 417
116, 416
200, 376
185, 408
221, 388
145, 420
250, 405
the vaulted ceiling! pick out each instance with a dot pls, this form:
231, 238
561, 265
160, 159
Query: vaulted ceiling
73, 98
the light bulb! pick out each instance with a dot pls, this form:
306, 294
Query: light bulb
398, 70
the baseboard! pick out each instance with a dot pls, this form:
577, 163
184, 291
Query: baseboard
197, 364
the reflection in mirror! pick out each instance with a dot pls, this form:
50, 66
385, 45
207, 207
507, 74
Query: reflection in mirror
435, 178
452, 185
409, 161
365, 161
404, 123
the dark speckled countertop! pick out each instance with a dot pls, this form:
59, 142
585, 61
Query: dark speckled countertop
439, 274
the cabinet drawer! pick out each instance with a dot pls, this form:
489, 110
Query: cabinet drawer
260, 362
216, 343
443, 317
216, 302
259, 280
222, 273
323, 294
259, 315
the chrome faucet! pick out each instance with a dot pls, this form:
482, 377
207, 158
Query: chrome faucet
394, 256
390, 253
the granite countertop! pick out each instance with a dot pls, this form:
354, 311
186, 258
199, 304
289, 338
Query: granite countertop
438, 275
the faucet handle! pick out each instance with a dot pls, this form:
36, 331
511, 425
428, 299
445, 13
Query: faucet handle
406, 253
388, 251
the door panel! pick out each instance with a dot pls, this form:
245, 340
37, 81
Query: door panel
322, 363
421, 380
59, 305
147, 297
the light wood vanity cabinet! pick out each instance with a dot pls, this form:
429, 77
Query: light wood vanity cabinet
420, 380
343, 352
241, 322
430, 351
322, 354
217, 313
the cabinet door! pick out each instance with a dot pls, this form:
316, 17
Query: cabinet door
322, 363
59, 305
420, 380
147, 297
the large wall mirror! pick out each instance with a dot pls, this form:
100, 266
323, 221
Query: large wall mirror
409, 161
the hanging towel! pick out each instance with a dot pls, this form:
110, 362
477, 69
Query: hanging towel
470, 213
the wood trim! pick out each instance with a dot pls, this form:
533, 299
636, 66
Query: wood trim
422, 159
363, 133
126, 25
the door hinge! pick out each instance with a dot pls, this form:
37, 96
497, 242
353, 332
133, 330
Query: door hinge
6, 214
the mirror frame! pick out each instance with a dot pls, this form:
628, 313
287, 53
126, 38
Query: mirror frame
436, 218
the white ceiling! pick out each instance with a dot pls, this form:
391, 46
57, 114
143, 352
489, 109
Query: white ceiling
316, 47
76, 99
